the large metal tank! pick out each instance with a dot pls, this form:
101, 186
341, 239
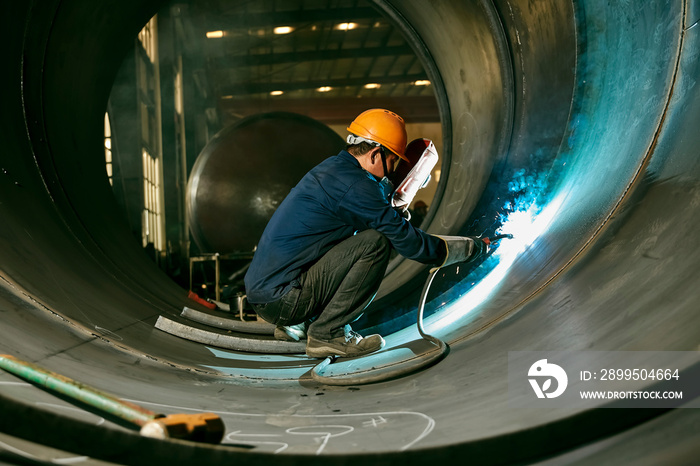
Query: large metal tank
614, 267
244, 173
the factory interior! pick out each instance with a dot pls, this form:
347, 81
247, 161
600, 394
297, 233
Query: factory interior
146, 144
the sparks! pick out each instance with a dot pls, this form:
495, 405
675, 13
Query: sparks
525, 225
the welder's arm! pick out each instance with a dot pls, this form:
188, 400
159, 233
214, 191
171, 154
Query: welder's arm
463, 249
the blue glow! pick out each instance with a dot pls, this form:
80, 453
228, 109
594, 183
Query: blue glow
238, 356
275, 373
525, 224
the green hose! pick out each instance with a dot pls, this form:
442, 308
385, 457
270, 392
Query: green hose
77, 391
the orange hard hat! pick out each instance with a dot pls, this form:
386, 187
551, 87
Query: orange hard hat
383, 127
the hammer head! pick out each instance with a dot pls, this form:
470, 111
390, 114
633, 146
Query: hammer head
203, 427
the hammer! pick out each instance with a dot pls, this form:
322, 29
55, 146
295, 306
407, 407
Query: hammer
202, 427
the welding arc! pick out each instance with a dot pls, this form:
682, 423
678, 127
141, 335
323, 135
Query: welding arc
201, 427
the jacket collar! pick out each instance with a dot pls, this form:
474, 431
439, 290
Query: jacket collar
347, 155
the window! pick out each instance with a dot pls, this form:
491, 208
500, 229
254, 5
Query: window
152, 212
108, 149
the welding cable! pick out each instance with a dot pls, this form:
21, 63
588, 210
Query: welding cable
379, 373
419, 323
224, 340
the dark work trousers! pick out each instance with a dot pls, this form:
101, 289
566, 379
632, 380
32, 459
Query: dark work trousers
336, 289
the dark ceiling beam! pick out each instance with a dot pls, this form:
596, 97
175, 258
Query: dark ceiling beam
267, 87
334, 111
317, 55
385, 41
289, 18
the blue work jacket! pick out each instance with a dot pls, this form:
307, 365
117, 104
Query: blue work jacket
332, 201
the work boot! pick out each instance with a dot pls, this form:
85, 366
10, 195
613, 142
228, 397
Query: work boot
291, 332
350, 345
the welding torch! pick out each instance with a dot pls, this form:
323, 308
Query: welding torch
490, 240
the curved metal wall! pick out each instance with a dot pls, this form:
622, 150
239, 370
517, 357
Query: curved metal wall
603, 98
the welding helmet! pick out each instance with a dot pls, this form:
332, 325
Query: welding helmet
383, 127
413, 153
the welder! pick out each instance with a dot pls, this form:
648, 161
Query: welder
324, 252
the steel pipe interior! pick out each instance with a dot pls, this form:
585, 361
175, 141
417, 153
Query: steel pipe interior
596, 101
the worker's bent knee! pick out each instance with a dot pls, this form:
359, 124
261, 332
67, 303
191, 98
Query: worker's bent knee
377, 242
374, 236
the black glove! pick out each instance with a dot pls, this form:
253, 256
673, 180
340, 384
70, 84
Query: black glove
404, 213
463, 249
